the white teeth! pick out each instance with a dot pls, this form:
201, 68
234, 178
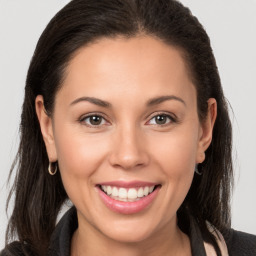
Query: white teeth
146, 191
109, 190
125, 194
151, 189
114, 191
122, 193
140, 192
132, 193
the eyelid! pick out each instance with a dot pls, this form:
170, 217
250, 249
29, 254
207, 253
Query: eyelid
172, 117
83, 117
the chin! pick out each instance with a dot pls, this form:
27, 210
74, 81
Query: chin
131, 230
130, 235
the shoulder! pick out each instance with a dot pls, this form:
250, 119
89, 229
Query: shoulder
240, 243
60, 241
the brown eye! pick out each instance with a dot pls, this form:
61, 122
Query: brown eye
161, 119
94, 120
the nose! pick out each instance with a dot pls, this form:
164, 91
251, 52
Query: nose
128, 150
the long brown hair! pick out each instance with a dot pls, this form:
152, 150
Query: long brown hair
38, 196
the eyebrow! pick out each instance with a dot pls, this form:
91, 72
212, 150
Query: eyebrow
159, 100
150, 102
92, 100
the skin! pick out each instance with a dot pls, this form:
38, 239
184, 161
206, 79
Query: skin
128, 144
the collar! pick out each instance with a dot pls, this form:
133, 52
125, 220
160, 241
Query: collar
220, 241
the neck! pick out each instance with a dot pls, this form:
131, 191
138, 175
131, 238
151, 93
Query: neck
170, 241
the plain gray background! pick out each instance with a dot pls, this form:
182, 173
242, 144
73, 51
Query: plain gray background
231, 25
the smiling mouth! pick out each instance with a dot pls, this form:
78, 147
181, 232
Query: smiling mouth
128, 194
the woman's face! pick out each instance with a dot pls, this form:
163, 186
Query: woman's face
126, 119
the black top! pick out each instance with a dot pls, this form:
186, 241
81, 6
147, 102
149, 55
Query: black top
238, 243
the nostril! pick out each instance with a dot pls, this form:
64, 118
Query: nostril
128, 156
128, 163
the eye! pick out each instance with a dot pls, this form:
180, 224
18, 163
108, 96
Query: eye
161, 119
93, 120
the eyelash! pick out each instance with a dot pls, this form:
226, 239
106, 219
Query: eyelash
170, 117
82, 120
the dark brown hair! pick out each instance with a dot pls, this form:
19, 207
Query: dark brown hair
38, 196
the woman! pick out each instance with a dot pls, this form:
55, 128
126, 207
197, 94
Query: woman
124, 115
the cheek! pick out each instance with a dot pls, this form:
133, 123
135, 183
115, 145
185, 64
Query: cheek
176, 152
79, 156
175, 156
177, 161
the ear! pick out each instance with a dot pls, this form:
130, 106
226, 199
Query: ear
206, 130
46, 126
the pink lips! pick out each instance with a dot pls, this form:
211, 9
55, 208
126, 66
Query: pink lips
128, 207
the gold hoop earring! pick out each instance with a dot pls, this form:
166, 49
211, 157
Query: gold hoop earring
50, 168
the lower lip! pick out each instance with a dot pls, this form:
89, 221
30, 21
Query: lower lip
128, 207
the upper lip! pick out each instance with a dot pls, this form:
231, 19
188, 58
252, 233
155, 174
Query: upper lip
128, 184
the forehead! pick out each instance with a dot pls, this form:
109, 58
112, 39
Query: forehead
125, 67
